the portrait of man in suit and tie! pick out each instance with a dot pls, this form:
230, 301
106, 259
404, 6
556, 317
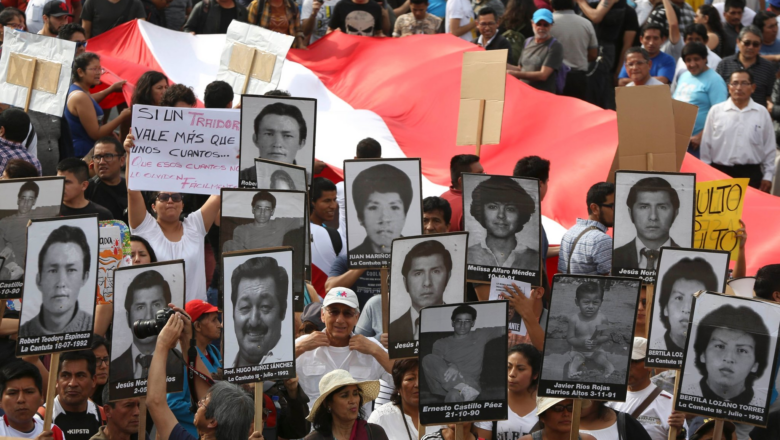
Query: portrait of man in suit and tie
655, 214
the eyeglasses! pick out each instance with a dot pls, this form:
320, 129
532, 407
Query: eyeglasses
749, 43
80, 44
106, 157
740, 84
102, 70
608, 205
487, 23
543, 24
345, 313
561, 408
636, 63
101, 360
164, 197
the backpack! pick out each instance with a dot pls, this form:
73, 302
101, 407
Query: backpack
560, 78
515, 39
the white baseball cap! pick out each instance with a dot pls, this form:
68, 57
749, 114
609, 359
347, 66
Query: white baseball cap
639, 351
341, 295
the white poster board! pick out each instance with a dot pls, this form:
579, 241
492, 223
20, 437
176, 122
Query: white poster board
55, 58
187, 150
270, 49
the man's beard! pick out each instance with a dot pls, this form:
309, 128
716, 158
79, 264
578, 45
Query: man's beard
52, 30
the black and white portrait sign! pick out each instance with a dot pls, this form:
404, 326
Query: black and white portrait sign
681, 273
503, 217
276, 128
383, 202
258, 319
58, 300
22, 200
260, 219
426, 271
729, 359
279, 175
141, 297
463, 363
651, 210
590, 332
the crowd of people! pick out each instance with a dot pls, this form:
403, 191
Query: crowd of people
346, 386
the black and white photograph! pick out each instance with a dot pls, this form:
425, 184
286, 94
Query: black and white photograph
651, 210
260, 219
59, 295
141, 297
22, 200
589, 335
279, 175
681, 273
503, 217
258, 316
729, 359
277, 128
383, 202
463, 363
425, 271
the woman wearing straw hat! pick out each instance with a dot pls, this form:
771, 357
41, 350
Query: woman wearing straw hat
338, 413
555, 416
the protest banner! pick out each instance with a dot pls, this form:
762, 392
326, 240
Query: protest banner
186, 150
114, 251
719, 206
482, 89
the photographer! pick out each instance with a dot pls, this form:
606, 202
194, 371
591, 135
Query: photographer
226, 413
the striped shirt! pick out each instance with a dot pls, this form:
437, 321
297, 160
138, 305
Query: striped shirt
593, 254
763, 72
12, 150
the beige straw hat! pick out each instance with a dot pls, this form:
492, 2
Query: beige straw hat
545, 403
341, 378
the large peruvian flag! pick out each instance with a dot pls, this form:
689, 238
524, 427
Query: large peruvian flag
405, 93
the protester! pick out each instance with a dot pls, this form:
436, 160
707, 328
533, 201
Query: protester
732, 26
459, 164
368, 148
738, 137
515, 25
315, 16
695, 33
150, 89
14, 124
542, 55
55, 15
537, 168
21, 389
176, 14
360, 17
586, 249
101, 349
76, 174
170, 237
12, 18
601, 422
218, 94
648, 404
338, 347
487, 23
75, 33
108, 188
661, 64
418, 21
762, 70
459, 20
766, 21
700, 86
327, 244
141, 251
214, 16
179, 95
580, 46
555, 416
437, 214
82, 111
18, 169
638, 66
282, 16
99, 16
338, 411
708, 16
122, 419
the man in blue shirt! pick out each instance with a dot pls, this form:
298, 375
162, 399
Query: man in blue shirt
652, 37
586, 249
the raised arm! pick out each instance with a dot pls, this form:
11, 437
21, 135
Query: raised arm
156, 400
596, 14
136, 211
671, 20
210, 210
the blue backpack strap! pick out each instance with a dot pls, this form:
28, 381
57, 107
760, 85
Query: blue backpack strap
527, 42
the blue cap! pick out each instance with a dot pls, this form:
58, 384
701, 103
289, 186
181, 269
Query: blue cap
543, 14
775, 3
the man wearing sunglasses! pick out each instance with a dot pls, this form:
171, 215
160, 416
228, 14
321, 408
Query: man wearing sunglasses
589, 237
763, 71
542, 55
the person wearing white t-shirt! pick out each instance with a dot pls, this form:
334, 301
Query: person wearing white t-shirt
523, 365
654, 406
319, 353
459, 20
315, 15
171, 238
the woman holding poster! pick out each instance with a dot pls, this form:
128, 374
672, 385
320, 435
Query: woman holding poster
169, 237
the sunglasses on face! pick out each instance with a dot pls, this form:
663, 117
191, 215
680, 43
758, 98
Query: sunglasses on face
80, 44
749, 43
560, 408
336, 312
164, 197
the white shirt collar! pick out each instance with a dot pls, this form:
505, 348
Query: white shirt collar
752, 106
479, 40
519, 249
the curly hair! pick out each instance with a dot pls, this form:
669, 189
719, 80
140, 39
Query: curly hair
178, 93
383, 178
506, 190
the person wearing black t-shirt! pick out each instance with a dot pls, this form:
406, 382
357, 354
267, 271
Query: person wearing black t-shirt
76, 174
108, 188
214, 16
360, 17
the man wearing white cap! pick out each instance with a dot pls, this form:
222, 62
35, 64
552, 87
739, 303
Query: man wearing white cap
338, 347
648, 404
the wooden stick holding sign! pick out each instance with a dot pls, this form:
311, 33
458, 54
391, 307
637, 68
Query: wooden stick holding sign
30, 84
51, 390
259, 406
459, 431
385, 299
650, 289
248, 72
480, 124
420, 430
717, 431
576, 412
673, 431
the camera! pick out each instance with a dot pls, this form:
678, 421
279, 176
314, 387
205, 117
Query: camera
144, 328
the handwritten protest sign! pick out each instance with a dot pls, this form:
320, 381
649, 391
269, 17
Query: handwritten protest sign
188, 150
718, 210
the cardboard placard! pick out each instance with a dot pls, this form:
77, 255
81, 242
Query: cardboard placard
262, 67
187, 150
483, 78
47, 73
719, 206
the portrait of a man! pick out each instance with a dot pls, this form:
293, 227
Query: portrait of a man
259, 296
653, 206
502, 208
147, 293
426, 271
280, 132
64, 263
732, 348
265, 231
